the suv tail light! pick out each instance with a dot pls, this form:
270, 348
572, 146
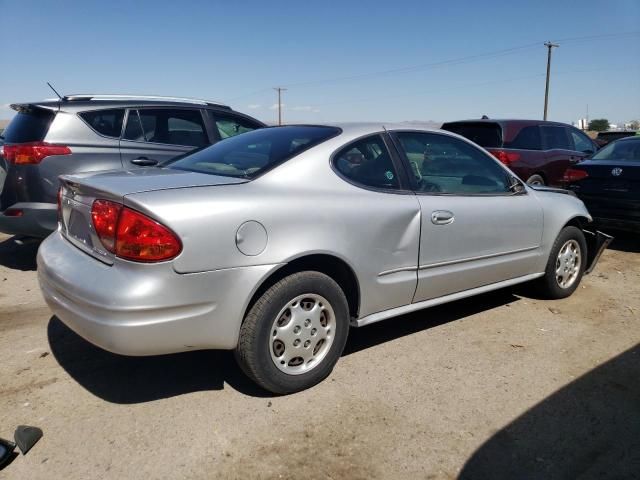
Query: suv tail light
33, 153
132, 235
505, 157
573, 175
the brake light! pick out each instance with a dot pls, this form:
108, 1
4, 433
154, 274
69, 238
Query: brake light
573, 175
13, 212
132, 235
33, 153
505, 157
105, 216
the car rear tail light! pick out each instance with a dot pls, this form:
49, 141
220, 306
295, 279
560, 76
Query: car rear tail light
573, 175
33, 153
505, 157
13, 212
132, 235
105, 216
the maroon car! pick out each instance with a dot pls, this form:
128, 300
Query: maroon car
539, 152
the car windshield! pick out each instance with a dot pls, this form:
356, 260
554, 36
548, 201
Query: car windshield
249, 154
628, 150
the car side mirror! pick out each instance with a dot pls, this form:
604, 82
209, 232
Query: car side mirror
516, 186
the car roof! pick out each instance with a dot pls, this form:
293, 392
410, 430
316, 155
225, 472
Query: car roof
363, 128
82, 102
511, 121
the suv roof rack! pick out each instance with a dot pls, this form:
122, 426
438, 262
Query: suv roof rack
102, 96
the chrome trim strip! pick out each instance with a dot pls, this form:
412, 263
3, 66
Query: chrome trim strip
394, 312
397, 270
471, 259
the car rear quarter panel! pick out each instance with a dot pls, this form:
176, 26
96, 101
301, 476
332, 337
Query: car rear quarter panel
305, 209
90, 152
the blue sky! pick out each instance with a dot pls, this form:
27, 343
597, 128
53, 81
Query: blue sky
341, 61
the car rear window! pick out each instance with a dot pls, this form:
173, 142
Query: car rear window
249, 154
485, 134
622, 150
31, 126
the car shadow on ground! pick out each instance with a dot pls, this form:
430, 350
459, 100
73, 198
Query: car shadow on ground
588, 429
127, 380
19, 257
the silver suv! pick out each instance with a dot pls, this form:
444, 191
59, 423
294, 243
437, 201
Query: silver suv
87, 133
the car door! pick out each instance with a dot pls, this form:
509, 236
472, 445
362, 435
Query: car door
559, 152
382, 216
474, 230
154, 135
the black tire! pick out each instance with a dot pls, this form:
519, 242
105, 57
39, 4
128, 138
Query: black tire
254, 350
549, 286
535, 180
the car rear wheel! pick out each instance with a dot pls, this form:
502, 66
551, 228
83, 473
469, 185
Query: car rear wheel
535, 180
566, 264
295, 333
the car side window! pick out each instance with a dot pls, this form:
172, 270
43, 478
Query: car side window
168, 126
581, 142
367, 162
230, 126
555, 138
448, 165
528, 139
105, 122
133, 130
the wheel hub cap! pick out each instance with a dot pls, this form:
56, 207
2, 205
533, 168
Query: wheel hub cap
302, 334
568, 264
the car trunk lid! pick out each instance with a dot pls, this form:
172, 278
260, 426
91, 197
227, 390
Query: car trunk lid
78, 192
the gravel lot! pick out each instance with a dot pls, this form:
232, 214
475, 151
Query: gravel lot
498, 386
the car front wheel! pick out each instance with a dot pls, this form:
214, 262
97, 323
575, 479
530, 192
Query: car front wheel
294, 333
566, 264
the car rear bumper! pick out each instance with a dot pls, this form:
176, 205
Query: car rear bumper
35, 219
144, 309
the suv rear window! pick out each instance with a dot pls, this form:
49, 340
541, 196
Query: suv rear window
29, 126
485, 134
252, 153
105, 122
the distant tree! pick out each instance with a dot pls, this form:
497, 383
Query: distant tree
599, 125
634, 125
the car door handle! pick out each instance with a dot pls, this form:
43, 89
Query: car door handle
144, 161
442, 217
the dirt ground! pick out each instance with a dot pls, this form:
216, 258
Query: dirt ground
498, 386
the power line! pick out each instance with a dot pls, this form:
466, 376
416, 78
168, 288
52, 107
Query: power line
454, 61
462, 86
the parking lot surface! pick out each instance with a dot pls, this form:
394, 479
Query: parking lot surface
498, 386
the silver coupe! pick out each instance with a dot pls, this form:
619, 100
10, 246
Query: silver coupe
275, 242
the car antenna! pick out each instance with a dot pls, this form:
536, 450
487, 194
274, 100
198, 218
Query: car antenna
54, 91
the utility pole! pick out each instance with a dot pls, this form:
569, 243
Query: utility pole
549, 45
279, 90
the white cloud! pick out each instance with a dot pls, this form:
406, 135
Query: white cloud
275, 106
302, 108
253, 106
